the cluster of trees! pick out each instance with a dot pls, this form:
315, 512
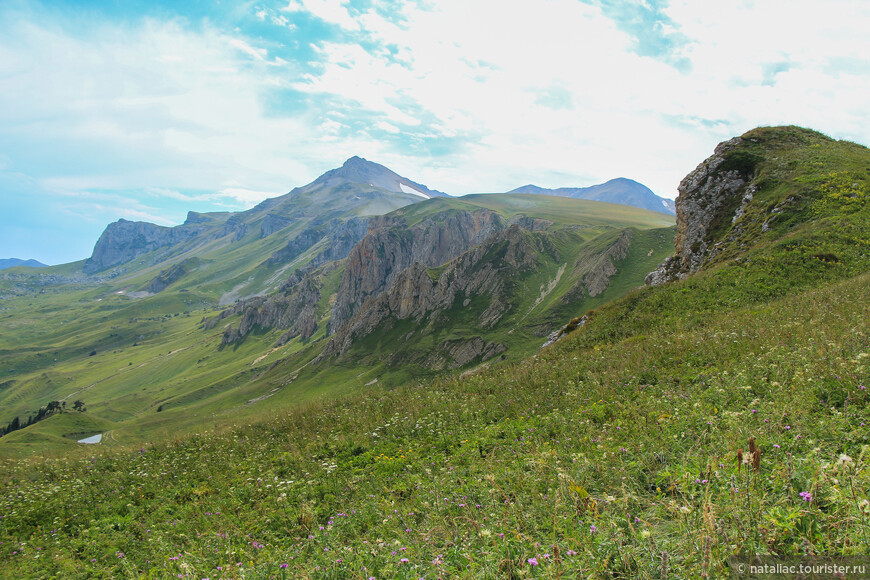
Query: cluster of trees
43, 413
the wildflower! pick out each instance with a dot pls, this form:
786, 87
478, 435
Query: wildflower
533, 561
776, 446
593, 529
806, 495
403, 561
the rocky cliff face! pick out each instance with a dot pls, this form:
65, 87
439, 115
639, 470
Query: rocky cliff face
342, 236
273, 223
711, 198
390, 247
124, 240
292, 309
171, 275
486, 270
598, 272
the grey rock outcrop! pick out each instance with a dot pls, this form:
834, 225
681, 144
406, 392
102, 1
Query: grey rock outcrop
486, 270
273, 223
711, 198
293, 310
124, 240
601, 270
576, 323
390, 247
171, 275
341, 235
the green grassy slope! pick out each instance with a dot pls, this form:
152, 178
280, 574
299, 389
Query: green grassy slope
146, 365
603, 457
613, 453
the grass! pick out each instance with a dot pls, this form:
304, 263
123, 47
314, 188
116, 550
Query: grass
593, 460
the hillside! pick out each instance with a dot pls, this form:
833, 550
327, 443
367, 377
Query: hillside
615, 452
429, 288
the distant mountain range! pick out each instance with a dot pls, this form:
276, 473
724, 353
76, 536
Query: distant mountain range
12, 262
620, 190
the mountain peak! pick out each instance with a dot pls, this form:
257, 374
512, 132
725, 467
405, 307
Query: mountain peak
362, 171
13, 262
356, 160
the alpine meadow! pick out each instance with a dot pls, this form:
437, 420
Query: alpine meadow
348, 381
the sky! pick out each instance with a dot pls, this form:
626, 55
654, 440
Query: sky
145, 109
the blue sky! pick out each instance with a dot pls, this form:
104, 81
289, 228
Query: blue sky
147, 109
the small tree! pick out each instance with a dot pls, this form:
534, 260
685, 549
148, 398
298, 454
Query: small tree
79, 406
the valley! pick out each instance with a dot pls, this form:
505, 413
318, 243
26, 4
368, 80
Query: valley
172, 330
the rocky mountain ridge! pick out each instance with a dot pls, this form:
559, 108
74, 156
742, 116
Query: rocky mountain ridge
389, 247
450, 268
484, 272
325, 218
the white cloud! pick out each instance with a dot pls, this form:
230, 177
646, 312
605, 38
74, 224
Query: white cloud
333, 11
257, 53
479, 68
388, 127
153, 105
246, 197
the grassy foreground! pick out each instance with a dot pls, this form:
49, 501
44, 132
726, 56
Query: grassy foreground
618, 460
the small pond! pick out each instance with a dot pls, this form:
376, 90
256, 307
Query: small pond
92, 439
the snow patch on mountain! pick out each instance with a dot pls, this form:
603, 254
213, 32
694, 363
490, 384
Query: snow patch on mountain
408, 189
